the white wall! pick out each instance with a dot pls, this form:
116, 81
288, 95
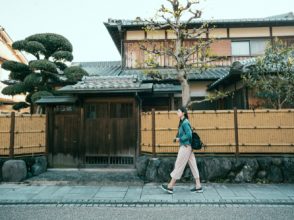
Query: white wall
199, 89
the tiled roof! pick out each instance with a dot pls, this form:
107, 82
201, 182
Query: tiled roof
171, 74
109, 68
110, 77
237, 67
166, 87
217, 82
107, 84
282, 16
243, 64
138, 22
113, 68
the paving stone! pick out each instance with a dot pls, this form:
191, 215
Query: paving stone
84, 190
151, 194
110, 194
113, 189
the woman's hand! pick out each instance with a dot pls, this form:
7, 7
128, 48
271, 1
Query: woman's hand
176, 139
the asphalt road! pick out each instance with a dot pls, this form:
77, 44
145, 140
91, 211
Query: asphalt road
210, 212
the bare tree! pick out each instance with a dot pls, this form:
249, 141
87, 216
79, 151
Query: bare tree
179, 18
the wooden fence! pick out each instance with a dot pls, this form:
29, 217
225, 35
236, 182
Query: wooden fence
225, 131
22, 134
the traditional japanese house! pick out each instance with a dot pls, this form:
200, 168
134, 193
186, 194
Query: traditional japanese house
96, 121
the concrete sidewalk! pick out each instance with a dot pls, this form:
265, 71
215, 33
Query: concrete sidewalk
128, 194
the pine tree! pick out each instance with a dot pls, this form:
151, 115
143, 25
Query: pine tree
41, 76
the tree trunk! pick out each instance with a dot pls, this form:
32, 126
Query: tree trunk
185, 88
185, 92
182, 77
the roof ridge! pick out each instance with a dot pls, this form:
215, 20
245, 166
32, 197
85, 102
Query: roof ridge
285, 16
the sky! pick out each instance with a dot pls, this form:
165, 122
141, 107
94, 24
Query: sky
81, 21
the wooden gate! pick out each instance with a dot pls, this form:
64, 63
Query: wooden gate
110, 132
64, 150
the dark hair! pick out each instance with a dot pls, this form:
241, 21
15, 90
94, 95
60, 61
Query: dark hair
184, 110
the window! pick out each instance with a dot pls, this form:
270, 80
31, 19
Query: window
241, 48
258, 46
252, 47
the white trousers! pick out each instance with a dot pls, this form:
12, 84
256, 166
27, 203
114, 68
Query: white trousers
185, 155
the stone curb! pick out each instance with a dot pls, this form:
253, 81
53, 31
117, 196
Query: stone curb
149, 202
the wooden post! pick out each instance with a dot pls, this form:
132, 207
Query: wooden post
172, 99
153, 134
12, 128
47, 132
271, 35
139, 112
82, 151
236, 131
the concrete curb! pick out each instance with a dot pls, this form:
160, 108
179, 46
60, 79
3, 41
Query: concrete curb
150, 202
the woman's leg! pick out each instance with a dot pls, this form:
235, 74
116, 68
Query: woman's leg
172, 183
181, 162
194, 169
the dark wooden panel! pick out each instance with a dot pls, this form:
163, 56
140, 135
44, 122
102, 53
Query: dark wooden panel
122, 129
110, 128
66, 134
96, 132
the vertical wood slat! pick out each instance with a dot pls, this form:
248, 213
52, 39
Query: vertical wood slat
12, 129
153, 134
236, 130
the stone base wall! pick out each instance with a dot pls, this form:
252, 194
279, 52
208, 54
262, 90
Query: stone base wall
229, 169
18, 169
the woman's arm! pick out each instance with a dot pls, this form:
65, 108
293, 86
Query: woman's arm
187, 132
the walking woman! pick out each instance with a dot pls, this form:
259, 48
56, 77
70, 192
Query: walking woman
185, 155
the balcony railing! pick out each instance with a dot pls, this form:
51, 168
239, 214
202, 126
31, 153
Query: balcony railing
132, 62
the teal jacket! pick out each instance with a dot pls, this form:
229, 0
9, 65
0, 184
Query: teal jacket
184, 132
